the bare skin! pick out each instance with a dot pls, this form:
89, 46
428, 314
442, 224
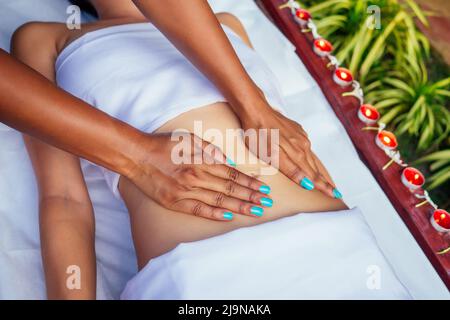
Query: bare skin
64, 196
157, 230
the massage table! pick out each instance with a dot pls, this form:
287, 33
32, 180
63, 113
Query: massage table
21, 272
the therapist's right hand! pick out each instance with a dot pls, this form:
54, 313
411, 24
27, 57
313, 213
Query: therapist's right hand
210, 189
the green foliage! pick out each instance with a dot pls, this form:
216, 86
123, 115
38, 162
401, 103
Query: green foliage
391, 64
440, 166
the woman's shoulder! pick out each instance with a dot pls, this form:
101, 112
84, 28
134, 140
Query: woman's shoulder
36, 34
37, 29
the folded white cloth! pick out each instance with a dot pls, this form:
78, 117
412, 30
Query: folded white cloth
331, 255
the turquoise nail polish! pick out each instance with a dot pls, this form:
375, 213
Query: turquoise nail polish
267, 202
264, 189
337, 194
227, 215
307, 183
231, 162
257, 211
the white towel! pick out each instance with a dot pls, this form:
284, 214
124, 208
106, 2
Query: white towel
330, 255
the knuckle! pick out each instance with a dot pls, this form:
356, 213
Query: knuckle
253, 196
230, 188
321, 184
306, 143
244, 207
219, 199
252, 183
169, 198
301, 156
189, 174
293, 173
293, 140
233, 174
197, 209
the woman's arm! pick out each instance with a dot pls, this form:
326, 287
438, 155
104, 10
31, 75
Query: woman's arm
66, 224
65, 210
193, 28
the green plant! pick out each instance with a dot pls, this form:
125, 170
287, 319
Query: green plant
361, 47
414, 105
440, 166
390, 62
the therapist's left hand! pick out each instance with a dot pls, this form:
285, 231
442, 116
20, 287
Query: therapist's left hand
190, 176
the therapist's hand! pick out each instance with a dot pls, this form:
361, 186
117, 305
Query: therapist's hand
209, 189
296, 159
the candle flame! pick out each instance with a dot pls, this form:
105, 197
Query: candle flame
387, 139
442, 216
321, 43
343, 75
368, 112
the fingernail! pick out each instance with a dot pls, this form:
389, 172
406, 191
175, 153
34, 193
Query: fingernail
257, 211
228, 215
267, 202
337, 194
264, 189
231, 162
307, 183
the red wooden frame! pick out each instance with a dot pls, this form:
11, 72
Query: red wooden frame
416, 219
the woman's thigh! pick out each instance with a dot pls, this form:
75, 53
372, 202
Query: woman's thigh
157, 230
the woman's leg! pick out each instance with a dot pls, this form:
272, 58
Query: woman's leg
157, 230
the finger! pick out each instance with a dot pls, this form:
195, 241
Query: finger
212, 154
297, 168
312, 163
232, 174
335, 192
220, 200
201, 209
235, 190
323, 186
305, 161
323, 171
294, 172
319, 181
298, 155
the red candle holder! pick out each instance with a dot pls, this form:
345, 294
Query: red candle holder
322, 47
440, 220
386, 140
343, 77
368, 114
412, 178
302, 16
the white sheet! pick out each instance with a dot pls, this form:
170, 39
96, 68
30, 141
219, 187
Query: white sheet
21, 274
352, 266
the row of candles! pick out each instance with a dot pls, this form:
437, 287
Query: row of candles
412, 178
